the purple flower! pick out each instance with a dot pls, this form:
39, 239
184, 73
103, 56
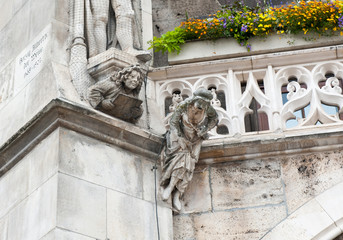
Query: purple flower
244, 28
224, 23
340, 22
248, 47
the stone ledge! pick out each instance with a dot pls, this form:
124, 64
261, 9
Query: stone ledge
62, 113
228, 47
301, 141
251, 61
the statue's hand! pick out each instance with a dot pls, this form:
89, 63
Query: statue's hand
107, 104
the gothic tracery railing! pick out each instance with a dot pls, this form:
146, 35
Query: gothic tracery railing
273, 99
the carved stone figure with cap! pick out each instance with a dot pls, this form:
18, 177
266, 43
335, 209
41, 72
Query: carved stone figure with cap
189, 124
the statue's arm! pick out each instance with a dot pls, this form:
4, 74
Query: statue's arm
97, 93
212, 118
175, 119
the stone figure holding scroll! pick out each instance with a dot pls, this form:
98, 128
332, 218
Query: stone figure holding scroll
127, 83
189, 125
99, 28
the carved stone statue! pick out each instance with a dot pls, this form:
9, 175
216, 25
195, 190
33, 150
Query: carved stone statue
215, 102
177, 98
117, 96
98, 25
189, 125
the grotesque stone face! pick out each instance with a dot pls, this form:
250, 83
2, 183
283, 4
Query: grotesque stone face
132, 80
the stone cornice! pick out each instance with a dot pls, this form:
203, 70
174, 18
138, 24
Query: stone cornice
87, 121
79, 118
301, 141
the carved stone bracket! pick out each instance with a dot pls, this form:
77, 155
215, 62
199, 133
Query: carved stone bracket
104, 65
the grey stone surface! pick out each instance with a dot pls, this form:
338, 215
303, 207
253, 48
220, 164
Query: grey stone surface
100, 163
17, 4
64, 83
130, 218
81, 207
44, 160
39, 92
6, 83
61, 234
62, 11
184, 227
148, 180
29, 174
13, 41
14, 187
246, 184
41, 14
197, 197
60, 43
6, 12
3, 228
307, 175
245, 224
36, 215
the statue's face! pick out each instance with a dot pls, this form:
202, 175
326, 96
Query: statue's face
132, 80
201, 105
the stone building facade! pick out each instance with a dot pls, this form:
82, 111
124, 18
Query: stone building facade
69, 171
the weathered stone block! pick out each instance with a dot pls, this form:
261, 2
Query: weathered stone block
6, 12
59, 43
100, 163
41, 90
184, 227
331, 201
197, 197
6, 84
245, 224
14, 186
43, 160
59, 234
3, 228
129, 217
18, 4
306, 223
246, 184
41, 14
306, 176
36, 215
81, 207
62, 11
149, 180
228, 225
13, 41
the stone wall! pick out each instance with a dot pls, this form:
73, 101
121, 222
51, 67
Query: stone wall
246, 199
34, 60
71, 186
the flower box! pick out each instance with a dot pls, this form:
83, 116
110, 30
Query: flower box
197, 51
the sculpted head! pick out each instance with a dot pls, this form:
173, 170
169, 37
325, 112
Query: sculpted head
130, 78
202, 99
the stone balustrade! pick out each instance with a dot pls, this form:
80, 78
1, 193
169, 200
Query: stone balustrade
272, 92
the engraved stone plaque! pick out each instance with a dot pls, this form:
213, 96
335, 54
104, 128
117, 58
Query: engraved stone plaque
31, 60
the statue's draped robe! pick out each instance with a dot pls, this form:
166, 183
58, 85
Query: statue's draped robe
178, 162
111, 28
